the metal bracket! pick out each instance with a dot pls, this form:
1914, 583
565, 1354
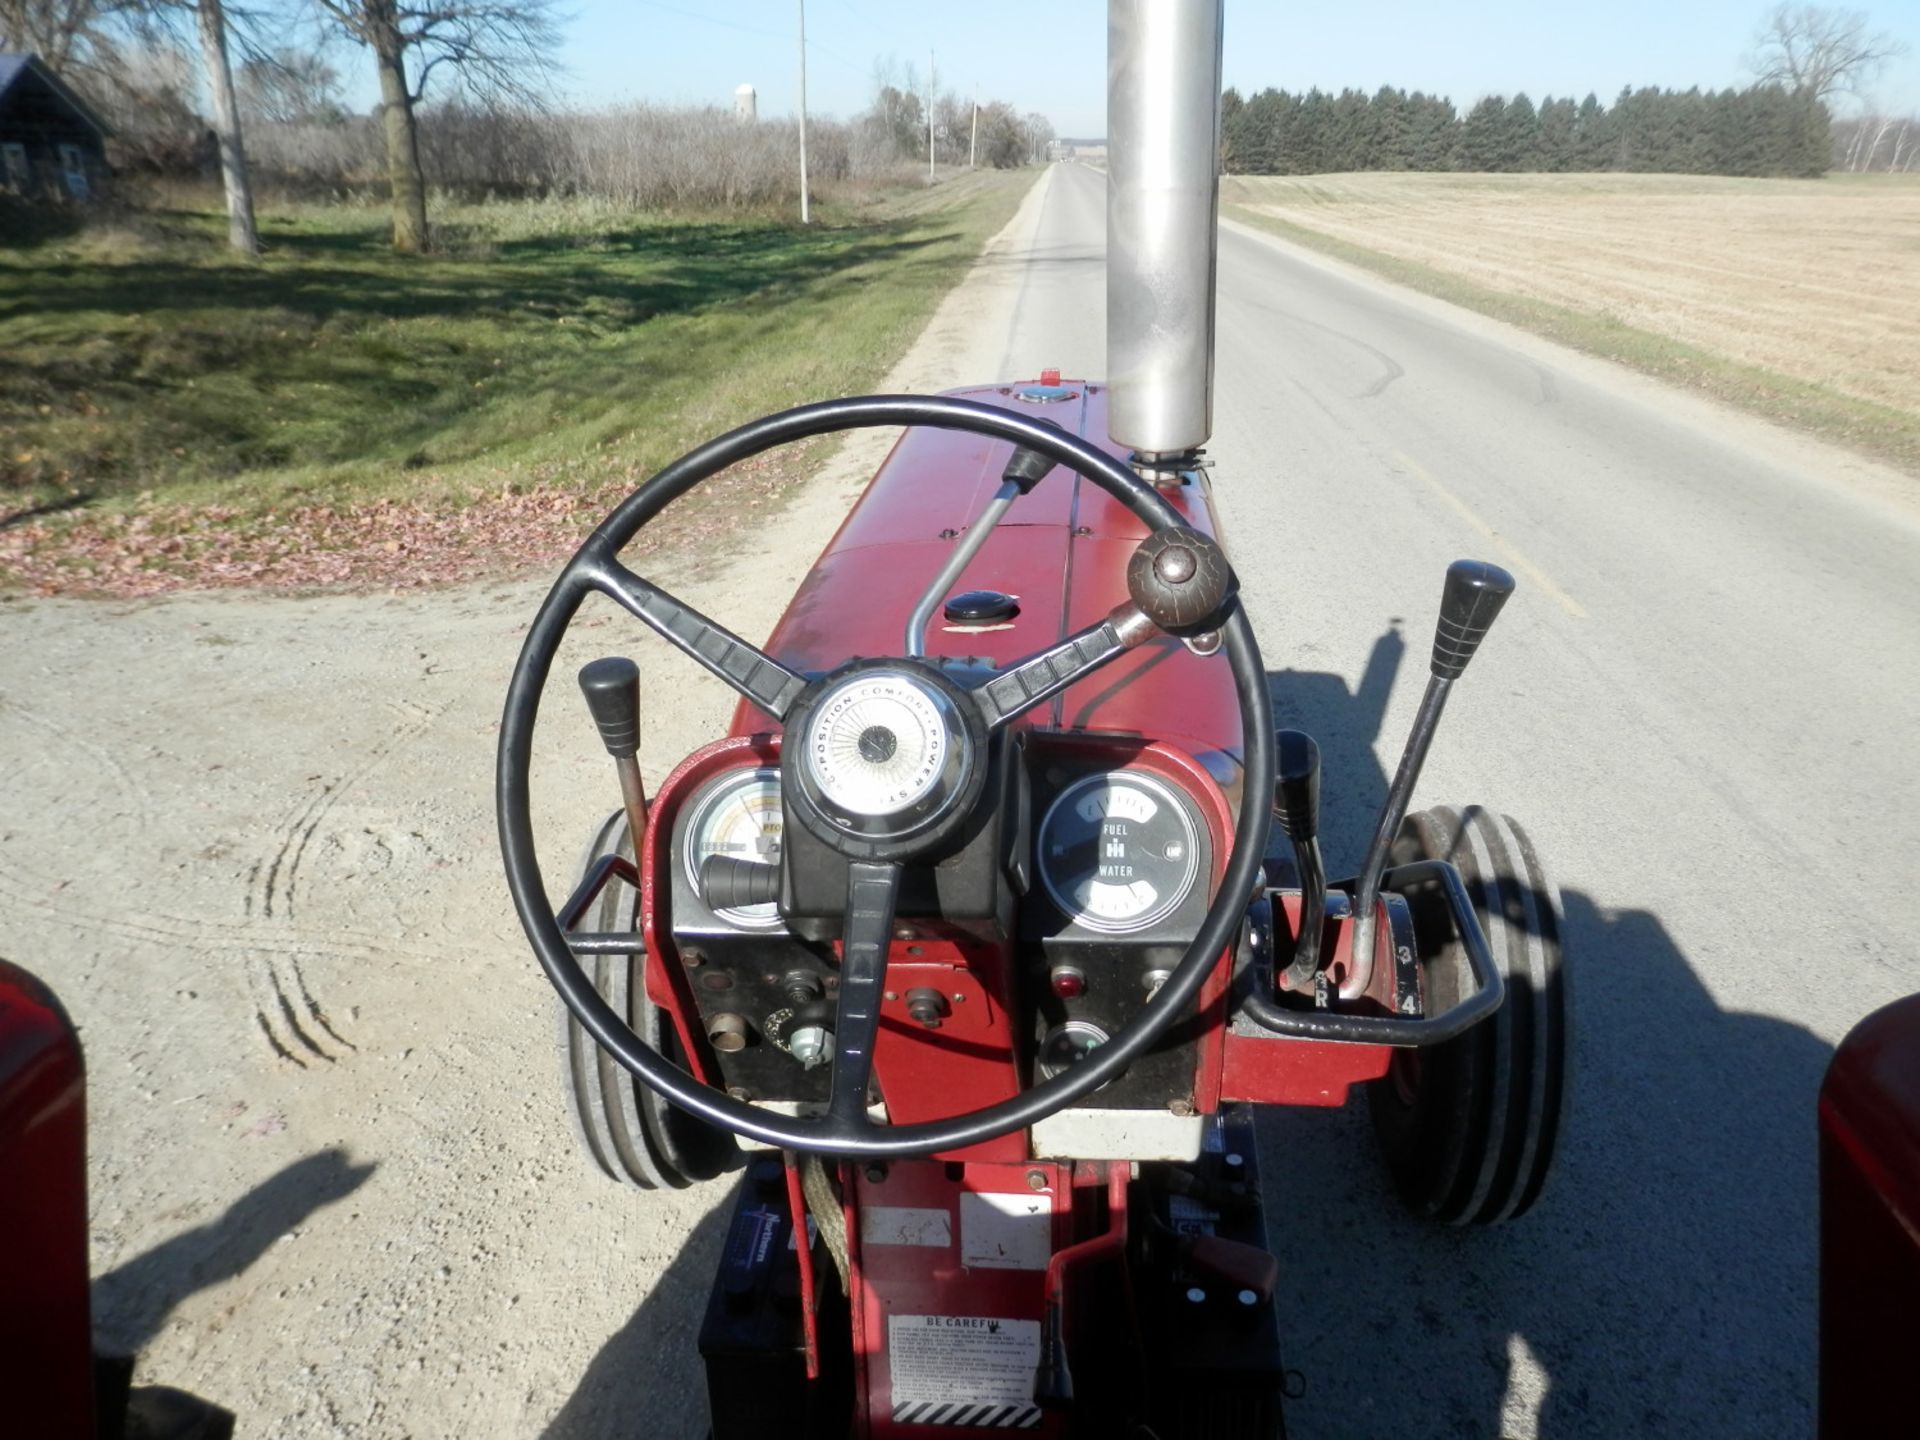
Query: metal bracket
1405, 1030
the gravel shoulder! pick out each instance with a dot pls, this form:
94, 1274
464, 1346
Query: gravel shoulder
250, 842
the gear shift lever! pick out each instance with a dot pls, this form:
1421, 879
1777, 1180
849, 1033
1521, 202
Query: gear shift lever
612, 688
1474, 593
1296, 810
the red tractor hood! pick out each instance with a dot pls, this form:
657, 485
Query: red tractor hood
1061, 551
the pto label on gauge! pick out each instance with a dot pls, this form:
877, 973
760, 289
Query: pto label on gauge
963, 1370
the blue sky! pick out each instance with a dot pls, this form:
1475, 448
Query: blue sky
1049, 55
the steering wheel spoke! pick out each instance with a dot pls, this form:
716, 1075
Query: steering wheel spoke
1042, 676
872, 890
749, 670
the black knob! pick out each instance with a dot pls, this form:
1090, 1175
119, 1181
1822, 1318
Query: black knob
612, 688
1181, 581
1475, 592
1296, 785
730, 883
1027, 468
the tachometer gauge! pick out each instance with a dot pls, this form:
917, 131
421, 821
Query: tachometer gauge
737, 816
1118, 851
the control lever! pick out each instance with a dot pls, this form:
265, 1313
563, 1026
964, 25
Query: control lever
1296, 810
1475, 591
1025, 469
612, 688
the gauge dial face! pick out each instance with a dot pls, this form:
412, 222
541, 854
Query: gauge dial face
738, 816
877, 745
1118, 851
1067, 1045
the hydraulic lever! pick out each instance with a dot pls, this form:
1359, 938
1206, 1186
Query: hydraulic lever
1474, 593
1025, 469
612, 688
1296, 810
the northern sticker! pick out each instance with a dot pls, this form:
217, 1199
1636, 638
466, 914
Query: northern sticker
1190, 1217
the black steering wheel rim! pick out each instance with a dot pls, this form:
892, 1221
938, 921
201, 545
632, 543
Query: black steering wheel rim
513, 784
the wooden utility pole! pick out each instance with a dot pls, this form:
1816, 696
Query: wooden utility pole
241, 234
930, 95
973, 144
804, 216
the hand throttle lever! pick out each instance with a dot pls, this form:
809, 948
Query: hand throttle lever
1475, 591
612, 688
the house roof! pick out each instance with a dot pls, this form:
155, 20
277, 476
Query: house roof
16, 67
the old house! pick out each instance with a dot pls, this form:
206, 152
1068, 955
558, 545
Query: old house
51, 144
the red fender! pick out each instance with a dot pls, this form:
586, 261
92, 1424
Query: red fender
1870, 1224
46, 1344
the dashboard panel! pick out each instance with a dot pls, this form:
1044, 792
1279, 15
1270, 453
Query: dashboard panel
1124, 861
1101, 891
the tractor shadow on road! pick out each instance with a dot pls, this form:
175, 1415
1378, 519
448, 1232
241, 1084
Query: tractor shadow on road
1666, 1281
648, 1378
132, 1301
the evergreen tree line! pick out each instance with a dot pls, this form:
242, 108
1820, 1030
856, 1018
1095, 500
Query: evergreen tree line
1762, 130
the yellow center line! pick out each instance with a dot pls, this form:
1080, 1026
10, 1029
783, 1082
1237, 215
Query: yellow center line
1508, 550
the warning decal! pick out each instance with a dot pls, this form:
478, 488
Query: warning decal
963, 1370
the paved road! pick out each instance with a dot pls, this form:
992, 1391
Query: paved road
1703, 702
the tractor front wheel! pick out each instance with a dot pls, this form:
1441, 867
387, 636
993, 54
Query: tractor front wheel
1469, 1127
630, 1133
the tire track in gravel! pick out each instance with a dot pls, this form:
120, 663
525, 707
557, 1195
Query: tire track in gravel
28, 888
291, 1019
125, 779
285, 1010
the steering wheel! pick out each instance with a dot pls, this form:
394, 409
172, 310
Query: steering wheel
883, 761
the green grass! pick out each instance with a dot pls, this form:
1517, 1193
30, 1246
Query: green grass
1881, 431
556, 344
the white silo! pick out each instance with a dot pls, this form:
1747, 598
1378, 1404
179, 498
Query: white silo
746, 103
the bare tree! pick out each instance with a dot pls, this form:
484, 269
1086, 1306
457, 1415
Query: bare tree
1823, 52
211, 21
1876, 139
69, 35
496, 48
290, 86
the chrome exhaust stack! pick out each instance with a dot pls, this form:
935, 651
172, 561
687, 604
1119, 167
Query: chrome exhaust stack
1163, 199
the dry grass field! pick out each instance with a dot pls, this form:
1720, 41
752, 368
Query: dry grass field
1806, 292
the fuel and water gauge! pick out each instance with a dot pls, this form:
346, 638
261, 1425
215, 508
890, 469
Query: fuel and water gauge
1118, 851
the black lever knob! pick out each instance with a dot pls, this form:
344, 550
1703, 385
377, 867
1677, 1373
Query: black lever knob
1181, 581
612, 688
1296, 785
730, 883
1027, 468
1475, 592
